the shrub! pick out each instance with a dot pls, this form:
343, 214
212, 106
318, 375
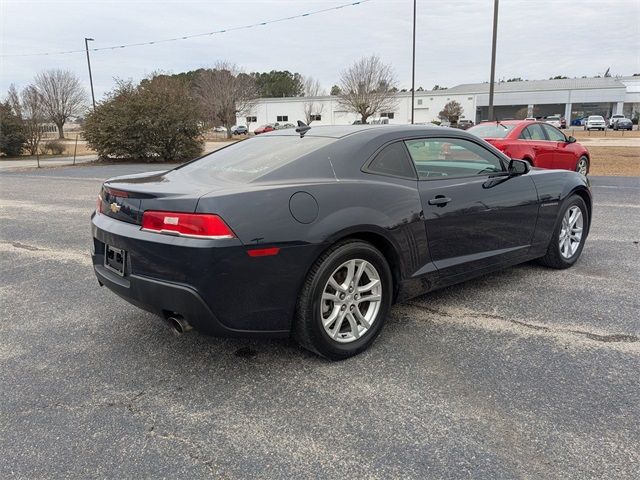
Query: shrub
54, 147
12, 137
156, 120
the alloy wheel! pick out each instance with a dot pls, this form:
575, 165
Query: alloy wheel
571, 232
351, 300
582, 166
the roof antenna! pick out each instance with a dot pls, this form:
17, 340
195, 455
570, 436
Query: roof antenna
302, 128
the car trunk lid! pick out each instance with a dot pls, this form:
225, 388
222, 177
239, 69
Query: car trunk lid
126, 198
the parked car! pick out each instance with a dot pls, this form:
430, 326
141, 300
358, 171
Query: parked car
284, 126
623, 124
539, 143
614, 119
554, 120
578, 122
264, 129
595, 122
465, 124
220, 129
240, 130
316, 232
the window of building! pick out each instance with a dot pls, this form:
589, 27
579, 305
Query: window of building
469, 98
392, 160
251, 119
389, 115
283, 118
316, 118
419, 101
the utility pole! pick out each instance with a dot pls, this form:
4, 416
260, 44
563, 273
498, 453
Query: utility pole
493, 60
86, 46
413, 65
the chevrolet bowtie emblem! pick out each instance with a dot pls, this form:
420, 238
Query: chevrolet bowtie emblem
115, 208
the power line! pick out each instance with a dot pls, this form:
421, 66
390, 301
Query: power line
186, 37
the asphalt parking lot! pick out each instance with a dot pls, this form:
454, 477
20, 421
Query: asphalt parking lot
527, 373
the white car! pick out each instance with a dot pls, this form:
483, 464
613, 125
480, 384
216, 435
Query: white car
554, 120
595, 122
220, 129
614, 119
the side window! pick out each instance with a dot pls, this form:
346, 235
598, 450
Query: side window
392, 160
554, 134
525, 134
451, 157
533, 132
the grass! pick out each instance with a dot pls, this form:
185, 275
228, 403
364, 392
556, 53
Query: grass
616, 161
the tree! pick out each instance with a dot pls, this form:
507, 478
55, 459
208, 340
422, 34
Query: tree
311, 106
366, 87
451, 112
225, 93
33, 117
515, 79
154, 121
335, 90
279, 84
62, 96
558, 77
13, 97
523, 113
438, 87
12, 137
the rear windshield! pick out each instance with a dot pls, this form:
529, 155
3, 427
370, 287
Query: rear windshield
250, 159
491, 130
596, 118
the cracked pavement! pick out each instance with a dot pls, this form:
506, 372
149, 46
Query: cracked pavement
526, 373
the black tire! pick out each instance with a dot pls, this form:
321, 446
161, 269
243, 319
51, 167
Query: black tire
308, 329
584, 159
553, 258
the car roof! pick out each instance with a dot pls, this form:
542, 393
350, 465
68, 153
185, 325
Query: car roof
340, 131
508, 122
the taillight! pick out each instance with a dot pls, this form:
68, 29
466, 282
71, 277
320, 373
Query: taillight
197, 225
99, 204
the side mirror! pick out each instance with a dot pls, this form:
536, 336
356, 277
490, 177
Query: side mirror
518, 167
571, 140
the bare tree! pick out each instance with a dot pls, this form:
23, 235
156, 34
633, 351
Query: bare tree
62, 96
365, 87
28, 106
225, 93
13, 97
312, 106
451, 112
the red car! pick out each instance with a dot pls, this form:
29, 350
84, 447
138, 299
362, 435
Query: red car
264, 129
541, 144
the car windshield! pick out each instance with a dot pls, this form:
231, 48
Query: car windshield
491, 130
553, 118
596, 118
248, 160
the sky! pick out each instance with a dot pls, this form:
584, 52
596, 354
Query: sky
537, 39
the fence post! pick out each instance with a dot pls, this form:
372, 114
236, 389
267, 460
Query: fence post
75, 149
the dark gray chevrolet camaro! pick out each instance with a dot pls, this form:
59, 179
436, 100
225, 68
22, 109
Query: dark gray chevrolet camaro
316, 232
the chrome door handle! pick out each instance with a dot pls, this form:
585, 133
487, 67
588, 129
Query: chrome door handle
439, 200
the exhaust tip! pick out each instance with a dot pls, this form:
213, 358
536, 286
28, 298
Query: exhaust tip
178, 325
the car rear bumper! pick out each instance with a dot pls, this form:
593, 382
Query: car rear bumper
213, 284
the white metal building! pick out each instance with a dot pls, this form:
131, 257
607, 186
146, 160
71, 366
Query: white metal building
571, 98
